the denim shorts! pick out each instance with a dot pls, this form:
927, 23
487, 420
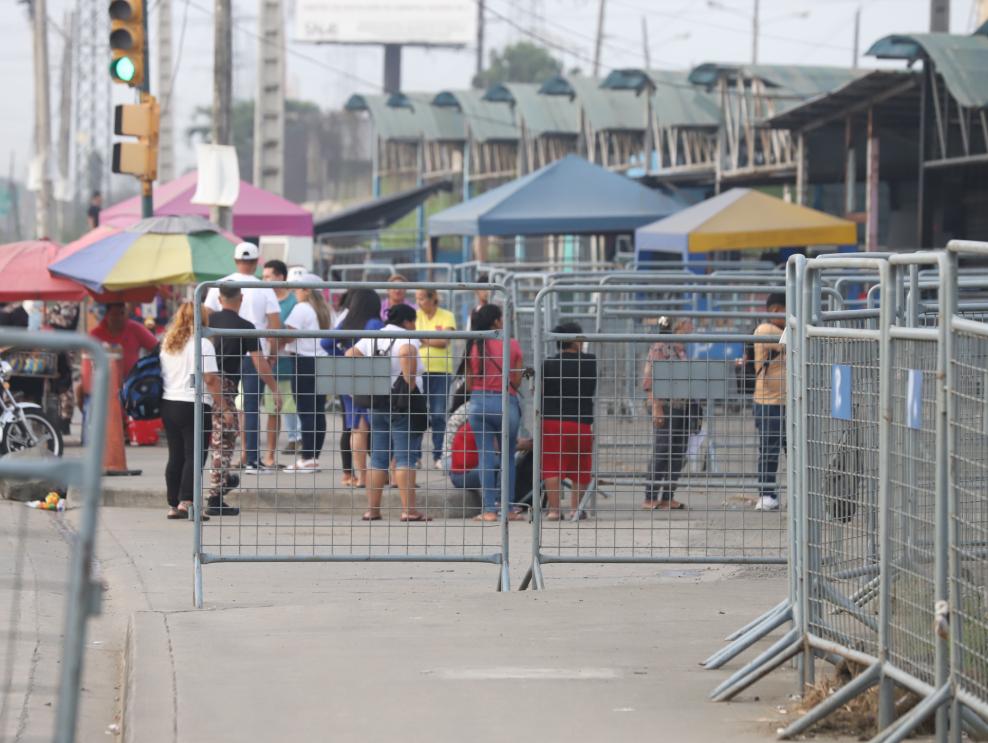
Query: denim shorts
391, 437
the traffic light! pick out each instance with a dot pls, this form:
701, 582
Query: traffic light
128, 42
139, 120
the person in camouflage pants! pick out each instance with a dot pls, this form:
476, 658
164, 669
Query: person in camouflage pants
223, 439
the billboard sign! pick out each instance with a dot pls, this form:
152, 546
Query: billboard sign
413, 22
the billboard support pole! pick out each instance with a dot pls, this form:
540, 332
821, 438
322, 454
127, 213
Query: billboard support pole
392, 68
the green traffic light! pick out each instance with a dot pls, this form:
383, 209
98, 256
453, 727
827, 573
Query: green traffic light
123, 69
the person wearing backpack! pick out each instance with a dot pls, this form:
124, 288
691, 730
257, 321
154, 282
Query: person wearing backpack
398, 420
769, 403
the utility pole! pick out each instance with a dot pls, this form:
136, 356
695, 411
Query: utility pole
269, 104
166, 133
69, 36
857, 37
392, 68
222, 92
940, 16
648, 57
600, 37
754, 32
480, 37
42, 118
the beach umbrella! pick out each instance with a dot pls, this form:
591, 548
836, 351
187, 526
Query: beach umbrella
24, 267
153, 252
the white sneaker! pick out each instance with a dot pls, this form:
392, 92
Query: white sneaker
767, 503
439, 464
304, 465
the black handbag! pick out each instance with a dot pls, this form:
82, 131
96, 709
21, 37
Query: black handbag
410, 401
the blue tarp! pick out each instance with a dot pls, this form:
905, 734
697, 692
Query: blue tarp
568, 197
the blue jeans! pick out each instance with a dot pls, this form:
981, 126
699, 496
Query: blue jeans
466, 480
485, 420
770, 421
437, 393
251, 385
391, 436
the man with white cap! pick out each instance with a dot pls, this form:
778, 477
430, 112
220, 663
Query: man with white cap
260, 307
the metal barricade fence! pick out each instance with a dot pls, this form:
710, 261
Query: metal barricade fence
41, 611
627, 466
315, 506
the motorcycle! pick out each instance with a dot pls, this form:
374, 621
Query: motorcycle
23, 425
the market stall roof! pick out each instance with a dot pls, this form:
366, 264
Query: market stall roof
605, 109
962, 61
568, 197
24, 267
542, 114
379, 213
409, 117
743, 219
488, 121
257, 212
675, 100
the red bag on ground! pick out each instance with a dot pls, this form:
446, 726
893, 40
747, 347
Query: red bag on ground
143, 433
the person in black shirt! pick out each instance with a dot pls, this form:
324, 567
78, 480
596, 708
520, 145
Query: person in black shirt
95, 206
230, 351
569, 384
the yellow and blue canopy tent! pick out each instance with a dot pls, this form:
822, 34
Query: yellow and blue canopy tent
743, 219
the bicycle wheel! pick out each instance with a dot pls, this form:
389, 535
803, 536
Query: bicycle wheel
34, 431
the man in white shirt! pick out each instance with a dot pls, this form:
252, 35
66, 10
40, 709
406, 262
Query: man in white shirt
260, 307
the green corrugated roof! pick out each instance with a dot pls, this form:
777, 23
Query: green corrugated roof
802, 81
676, 101
542, 114
409, 117
961, 60
489, 121
606, 109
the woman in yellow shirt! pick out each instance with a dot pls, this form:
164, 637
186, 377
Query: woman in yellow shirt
438, 361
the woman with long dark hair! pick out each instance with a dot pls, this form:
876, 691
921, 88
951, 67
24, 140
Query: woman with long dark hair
485, 378
363, 312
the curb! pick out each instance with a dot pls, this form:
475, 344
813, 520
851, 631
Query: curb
149, 694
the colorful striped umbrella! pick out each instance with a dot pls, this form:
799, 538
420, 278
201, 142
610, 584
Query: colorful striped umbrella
155, 251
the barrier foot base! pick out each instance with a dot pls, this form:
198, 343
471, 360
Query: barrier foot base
757, 620
906, 724
785, 649
859, 685
768, 623
122, 473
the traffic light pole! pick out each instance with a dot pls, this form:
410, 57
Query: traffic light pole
147, 185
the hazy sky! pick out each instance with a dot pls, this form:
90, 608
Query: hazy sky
681, 33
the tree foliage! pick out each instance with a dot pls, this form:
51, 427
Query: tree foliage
522, 62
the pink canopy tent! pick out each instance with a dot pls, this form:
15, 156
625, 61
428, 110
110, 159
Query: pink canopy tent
257, 212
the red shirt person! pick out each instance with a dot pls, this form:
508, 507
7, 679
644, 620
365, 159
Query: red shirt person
116, 330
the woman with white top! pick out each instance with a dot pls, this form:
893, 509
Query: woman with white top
178, 407
310, 314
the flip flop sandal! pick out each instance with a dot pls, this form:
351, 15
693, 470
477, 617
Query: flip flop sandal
415, 517
370, 517
175, 514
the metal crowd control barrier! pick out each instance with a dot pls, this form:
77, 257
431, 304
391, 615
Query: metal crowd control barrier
82, 595
709, 460
891, 571
322, 507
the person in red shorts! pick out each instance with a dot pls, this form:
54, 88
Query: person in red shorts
569, 384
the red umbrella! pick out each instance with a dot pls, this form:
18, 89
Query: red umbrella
24, 267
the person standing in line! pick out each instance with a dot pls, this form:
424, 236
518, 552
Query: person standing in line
309, 314
673, 420
362, 312
569, 385
484, 380
438, 360
260, 308
395, 297
393, 430
178, 408
769, 403
275, 270
232, 353
131, 336
95, 207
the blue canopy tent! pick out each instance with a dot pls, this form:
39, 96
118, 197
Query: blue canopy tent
568, 197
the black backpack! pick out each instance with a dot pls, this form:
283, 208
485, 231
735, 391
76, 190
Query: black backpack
142, 390
746, 371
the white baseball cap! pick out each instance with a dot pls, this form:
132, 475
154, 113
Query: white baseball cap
295, 273
246, 252
304, 277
